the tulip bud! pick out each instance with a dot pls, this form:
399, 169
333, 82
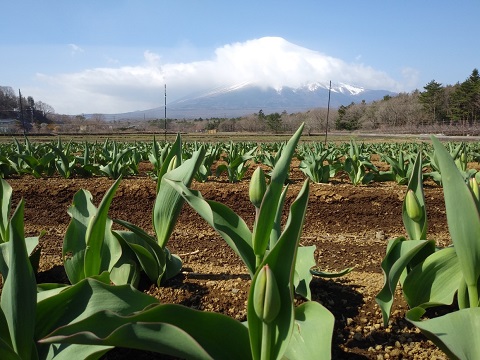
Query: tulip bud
258, 186
414, 210
266, 297
474, 186
463, 158
172, 164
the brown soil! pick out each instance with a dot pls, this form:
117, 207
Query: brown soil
349, 225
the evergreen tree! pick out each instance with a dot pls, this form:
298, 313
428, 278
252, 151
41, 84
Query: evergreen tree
274, 122
342, 110
472, 95
465, 100
431, 100
261, 115
349, 116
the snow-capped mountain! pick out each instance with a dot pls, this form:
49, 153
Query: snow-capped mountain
248, 98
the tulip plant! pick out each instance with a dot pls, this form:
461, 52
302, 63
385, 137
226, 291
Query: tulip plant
459, 153
36, 160
316, 166
253, 246
433, 276
268, 157
91, 247
159, 264
157, 156
84, 164
401, 167
236, 161
212, 154
31, 243
117, 161
357, 166
402, 253
65, 162
30, 311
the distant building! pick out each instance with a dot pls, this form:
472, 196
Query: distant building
8, 126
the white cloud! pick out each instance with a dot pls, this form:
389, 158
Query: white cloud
151, 58
75, 49
269, 61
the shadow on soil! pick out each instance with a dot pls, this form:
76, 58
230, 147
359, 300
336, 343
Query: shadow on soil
56, 275
343, 301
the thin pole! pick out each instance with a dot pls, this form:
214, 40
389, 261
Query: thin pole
22, 119
328, 111
165, 112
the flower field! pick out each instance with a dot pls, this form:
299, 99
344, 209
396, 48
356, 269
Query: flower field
348, 223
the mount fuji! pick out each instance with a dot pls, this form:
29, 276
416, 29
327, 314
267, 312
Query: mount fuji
249, 98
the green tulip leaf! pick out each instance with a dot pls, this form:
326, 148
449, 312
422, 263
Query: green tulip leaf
147, 251
96, 230
7, 351
168, 329
331, 274
270, 203
169, 202
400, 254
85, 298
463, 219
5, 204
19, 293
302, 276
434, 281
456, 334
312, 335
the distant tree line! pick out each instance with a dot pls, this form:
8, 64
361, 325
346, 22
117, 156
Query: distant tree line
437, 105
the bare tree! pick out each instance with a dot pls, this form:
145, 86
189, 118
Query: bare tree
8, 99
44, 108
248, 123
97, 118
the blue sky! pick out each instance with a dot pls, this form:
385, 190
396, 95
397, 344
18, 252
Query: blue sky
113, 56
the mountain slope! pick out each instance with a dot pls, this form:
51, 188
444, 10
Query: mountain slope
247, 98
